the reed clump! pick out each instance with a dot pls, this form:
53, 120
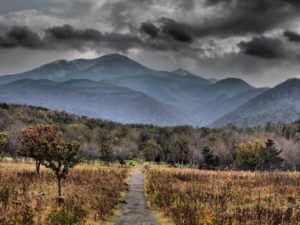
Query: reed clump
91, 194
195, 197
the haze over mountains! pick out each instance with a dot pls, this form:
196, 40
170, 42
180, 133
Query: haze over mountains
117, 88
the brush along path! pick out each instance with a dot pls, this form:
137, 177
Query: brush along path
135, 211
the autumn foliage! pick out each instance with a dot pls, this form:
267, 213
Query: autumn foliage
34, 137
195, 197
60, 157
258, 156
91, 193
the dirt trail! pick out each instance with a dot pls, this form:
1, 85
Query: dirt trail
135, 212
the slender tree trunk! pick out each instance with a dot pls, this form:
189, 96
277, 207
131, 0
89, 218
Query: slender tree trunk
37, 167
59, 199
59, 186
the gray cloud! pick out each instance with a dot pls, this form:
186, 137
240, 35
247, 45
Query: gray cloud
238, 17
21, 37
177, 31
10, 6
67, 37
211, 36
292, 36
169, 31
150, 29
62, 37
264, 47
67, 32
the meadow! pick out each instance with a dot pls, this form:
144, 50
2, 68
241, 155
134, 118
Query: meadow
195, 197
91, 195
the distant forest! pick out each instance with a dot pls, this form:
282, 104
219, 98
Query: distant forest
270, 147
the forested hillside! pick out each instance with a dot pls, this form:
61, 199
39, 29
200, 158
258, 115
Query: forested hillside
110, 141
281, 103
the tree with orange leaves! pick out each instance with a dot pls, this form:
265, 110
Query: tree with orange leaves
33, 139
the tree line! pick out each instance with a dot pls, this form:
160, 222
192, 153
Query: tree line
269, 147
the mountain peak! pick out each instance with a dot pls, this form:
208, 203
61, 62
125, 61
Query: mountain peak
213, 80
113, 56
182, 72
233, 81
60, 61
291, 81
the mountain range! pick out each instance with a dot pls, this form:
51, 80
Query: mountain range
115, 87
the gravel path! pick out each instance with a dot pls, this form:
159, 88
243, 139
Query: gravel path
135, 212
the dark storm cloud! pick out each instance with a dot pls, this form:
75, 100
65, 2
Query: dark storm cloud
62, 37
250, 17
177, 31
234, 18
292, 36
169, 30
260, 5
67, 32
67, 37
21, 37
264, 47
150, 29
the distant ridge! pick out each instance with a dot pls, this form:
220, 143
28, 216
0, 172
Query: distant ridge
117, 88
108, 66
278, 104
91, 98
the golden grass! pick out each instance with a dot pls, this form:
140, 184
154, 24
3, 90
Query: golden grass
193, 197
91, 195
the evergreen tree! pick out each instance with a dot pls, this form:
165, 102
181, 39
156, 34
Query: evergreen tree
270, 157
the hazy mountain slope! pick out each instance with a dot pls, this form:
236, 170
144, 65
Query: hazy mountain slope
91, 99
172, 88
182, 91
127, 88
166, 87
218, 107
188, 74
108, 66
112, 66
281, 103
229, 87
57, 70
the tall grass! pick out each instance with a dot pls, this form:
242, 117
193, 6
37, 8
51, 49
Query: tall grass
90, 195
193, 197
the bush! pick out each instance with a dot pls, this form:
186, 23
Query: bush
61, 216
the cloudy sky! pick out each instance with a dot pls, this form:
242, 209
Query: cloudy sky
256, 40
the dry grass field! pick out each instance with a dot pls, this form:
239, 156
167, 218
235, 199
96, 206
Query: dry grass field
194, 197
91, 193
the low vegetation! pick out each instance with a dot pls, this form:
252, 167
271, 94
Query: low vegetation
194, 197
90, 195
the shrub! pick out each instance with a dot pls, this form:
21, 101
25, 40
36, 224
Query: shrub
61, 216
